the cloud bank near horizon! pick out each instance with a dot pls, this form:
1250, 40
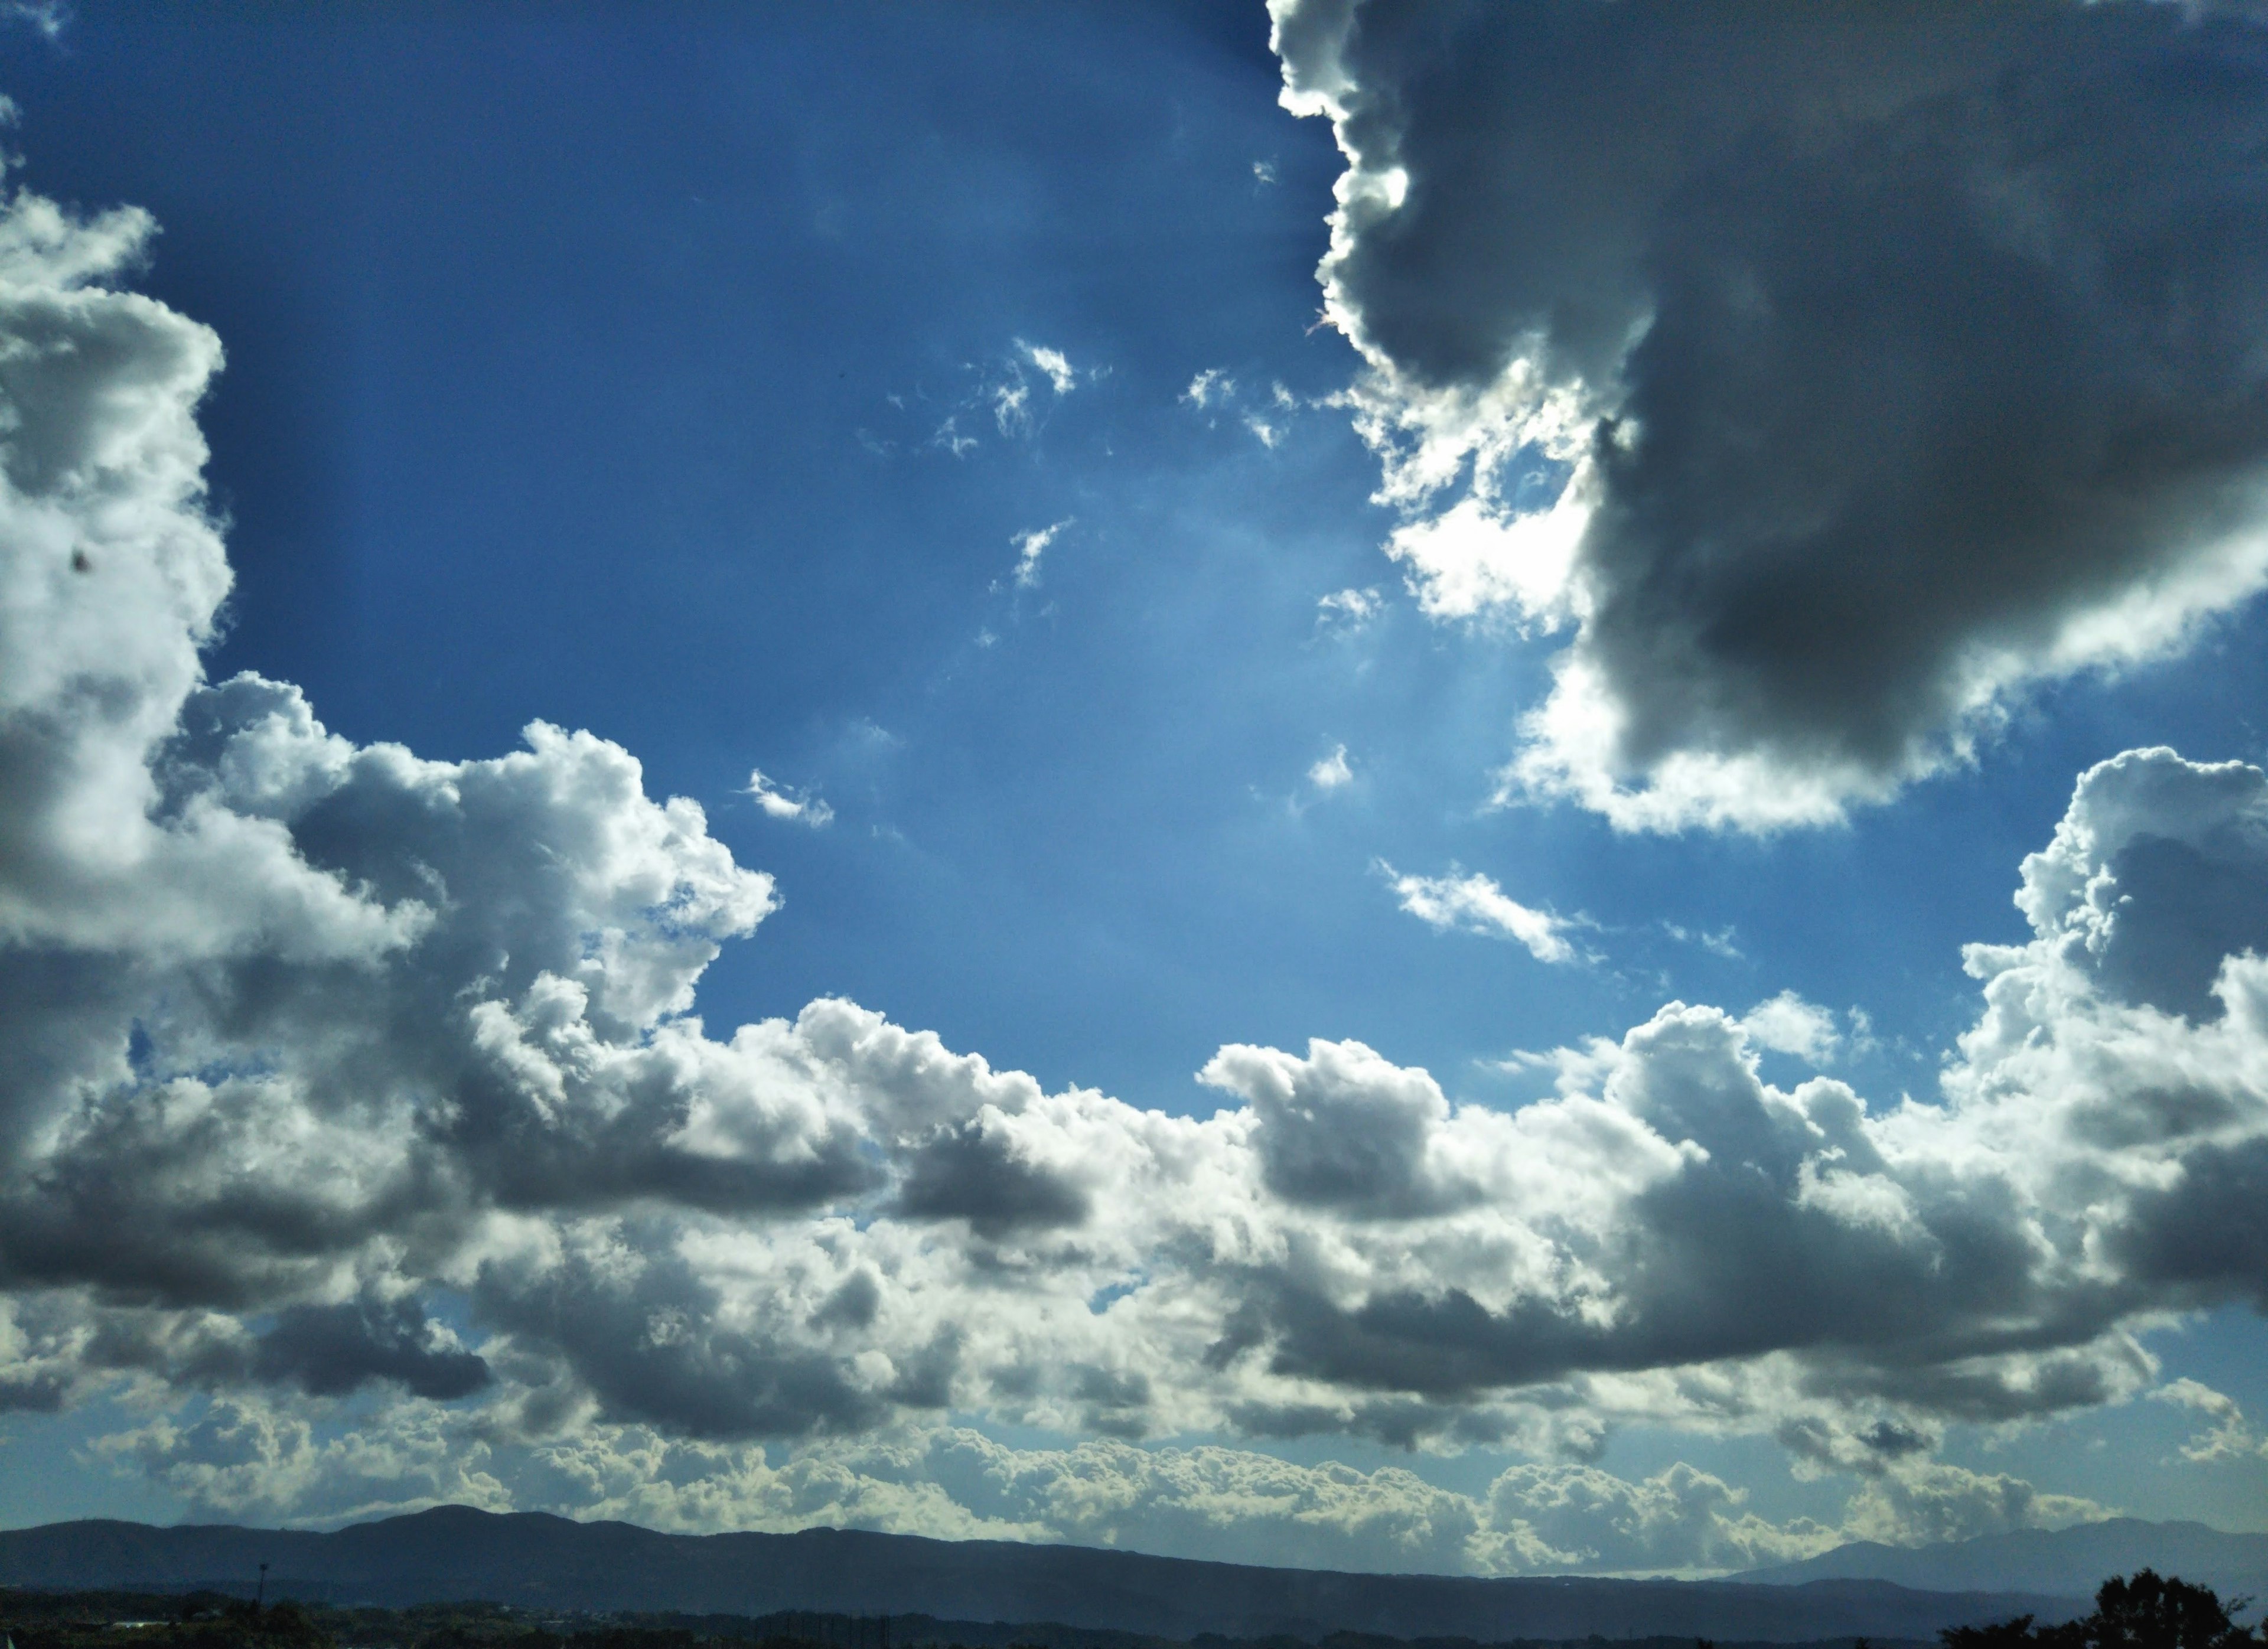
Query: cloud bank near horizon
1896, 361
359, 1132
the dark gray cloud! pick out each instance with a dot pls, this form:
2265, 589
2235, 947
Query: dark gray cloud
1903, 354
329, 1350
1115, 1401
654, 1342
2183, 907
976, 1171
2207, 1229
2158, 872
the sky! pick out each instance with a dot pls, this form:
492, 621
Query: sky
1434, 788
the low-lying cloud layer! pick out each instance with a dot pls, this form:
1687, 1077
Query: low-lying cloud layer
251, 1458
357, 1127
1833, 372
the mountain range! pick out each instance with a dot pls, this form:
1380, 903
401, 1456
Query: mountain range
537, 1561
2071, 1561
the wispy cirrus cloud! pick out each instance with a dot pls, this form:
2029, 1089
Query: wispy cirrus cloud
802, 807
1348, 611
1000, 389
1209, 387
1032, 545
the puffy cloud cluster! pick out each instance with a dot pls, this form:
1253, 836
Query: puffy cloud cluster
1833, 372
354, 1120
246, 1458
1787, 1024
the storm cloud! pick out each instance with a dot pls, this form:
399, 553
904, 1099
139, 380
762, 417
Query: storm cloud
1833, 373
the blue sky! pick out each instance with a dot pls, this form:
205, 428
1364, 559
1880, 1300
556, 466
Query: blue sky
937, 412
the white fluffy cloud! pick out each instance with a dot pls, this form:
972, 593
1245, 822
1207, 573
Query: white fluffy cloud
250, 1457
1829, 416
1787, 1024
328, 1070
1475, 904
1332, 772
2228, 1436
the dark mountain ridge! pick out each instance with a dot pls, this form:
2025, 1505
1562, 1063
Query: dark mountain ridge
536, 1561
2063, 1560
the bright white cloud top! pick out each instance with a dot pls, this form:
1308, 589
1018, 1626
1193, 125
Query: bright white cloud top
331, 1071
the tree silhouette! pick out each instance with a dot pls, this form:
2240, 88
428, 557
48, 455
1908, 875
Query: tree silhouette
2144, 1611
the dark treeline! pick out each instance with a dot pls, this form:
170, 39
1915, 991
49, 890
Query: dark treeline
220, 1620
2144, 1611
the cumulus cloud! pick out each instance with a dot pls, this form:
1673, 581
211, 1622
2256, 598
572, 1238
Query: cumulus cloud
1331, 772
1826, 417
253, 1458
1546, 1517
1475, 904
800, 806
327, 1070
1787, 1024
1933, 1502
2228, 1436
2154, 876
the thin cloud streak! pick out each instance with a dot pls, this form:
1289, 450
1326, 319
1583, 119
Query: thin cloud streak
1475, 904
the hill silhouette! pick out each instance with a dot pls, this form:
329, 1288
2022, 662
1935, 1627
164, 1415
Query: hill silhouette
2065, 1561
537, 1561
